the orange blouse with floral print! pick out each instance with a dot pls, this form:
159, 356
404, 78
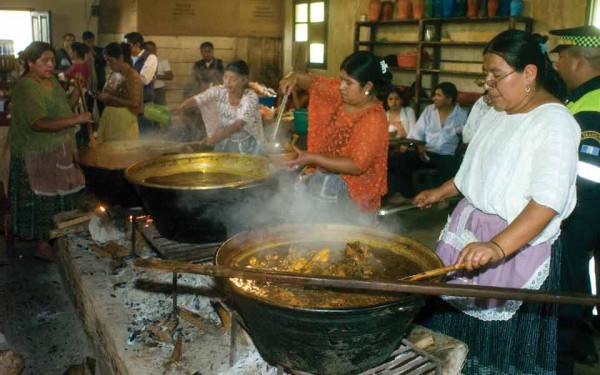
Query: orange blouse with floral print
361, 136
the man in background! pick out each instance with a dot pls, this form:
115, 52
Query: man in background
163, 73
579, 65
64, 55
146, 65
98, 66
208, 72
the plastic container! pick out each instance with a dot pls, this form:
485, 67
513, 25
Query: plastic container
268, 101
157, 112
301, 120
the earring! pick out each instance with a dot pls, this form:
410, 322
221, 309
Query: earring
527, 89
367, 93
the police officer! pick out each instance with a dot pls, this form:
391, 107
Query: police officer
579, 65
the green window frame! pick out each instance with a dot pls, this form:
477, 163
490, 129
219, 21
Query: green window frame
310, 27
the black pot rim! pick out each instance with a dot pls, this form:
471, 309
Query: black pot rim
365, 309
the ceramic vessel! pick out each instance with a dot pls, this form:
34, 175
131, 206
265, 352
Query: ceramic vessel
483, 12
418, 9
516, 6
374, 9
460, 8
447, 8
429, 8
437, 8
473, 8
387, 10
403, 9
504, 8
492, 8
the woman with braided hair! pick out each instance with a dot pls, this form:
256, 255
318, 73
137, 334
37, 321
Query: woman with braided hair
518, 181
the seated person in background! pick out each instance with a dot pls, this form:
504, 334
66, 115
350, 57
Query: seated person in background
230, 113
400, 116
439, 127
479, 109
122, 96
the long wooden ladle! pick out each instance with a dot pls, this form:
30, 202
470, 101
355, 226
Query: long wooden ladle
393, 286
431, 273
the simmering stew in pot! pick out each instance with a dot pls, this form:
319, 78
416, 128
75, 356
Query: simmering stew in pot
356, 260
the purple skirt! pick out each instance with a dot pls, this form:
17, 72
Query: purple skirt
528, 268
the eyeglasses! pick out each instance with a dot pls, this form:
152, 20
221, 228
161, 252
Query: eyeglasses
492, 83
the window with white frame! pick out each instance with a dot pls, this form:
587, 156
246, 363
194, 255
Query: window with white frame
310, 27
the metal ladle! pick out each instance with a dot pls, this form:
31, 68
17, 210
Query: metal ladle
278, 121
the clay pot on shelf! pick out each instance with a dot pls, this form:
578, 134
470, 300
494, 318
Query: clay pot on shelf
437, 8
418, 9
483, 9
460, 8
473, 8
504, 8
374, 10
429, 8
403, 9
387, 10
492, 7
516, 6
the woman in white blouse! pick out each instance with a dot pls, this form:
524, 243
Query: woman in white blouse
518, 181
230, 113
400, 116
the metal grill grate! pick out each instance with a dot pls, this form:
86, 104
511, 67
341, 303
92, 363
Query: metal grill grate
168, 249
406, 360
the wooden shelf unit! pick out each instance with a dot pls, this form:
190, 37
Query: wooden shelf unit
433, 42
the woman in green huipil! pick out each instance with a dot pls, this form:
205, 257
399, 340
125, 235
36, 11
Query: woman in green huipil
43, 180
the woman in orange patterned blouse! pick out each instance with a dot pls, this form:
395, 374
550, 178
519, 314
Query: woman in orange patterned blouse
347, 134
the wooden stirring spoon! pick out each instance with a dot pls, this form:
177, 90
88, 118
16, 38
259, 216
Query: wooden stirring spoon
431, 273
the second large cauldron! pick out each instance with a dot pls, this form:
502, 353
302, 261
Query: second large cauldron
198, 197
338, 333
105, 164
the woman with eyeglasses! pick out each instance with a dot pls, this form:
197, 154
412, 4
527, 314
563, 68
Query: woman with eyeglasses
43, 180
518, 181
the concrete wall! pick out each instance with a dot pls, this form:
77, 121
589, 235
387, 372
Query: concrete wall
72, 16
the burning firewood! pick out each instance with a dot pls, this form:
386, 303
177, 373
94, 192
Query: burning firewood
176, 355
162, 335
111, 250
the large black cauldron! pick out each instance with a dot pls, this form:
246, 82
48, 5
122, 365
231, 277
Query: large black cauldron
104, 166
347, 339
197, 197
